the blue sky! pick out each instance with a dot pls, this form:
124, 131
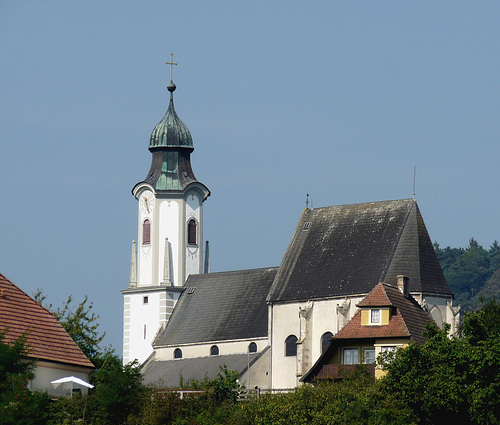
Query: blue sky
340, 100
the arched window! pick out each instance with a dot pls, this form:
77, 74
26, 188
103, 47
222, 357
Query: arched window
325, 340
291, 346
177, 353
252, 347
214, 350
146, 232
192, 232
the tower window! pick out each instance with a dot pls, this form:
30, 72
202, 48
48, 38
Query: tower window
252, 347
291, 346
214, 350
145, 300
192, 232
177, 353
146, 232
325, 341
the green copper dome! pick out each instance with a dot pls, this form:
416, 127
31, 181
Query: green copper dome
170, 132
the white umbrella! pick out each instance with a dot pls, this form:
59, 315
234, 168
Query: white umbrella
72, 380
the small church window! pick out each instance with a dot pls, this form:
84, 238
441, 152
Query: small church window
177, 353
325, 341
192, 232
146, 232
145, 300
252, 347
291, 346
214, 350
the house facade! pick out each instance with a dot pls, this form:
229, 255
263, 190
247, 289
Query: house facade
387, 319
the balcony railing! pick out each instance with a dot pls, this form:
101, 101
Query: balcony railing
336, 371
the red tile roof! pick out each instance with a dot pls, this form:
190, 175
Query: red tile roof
47, 339
407, 319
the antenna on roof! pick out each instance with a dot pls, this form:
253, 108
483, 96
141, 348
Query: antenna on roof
307, 201
414, 178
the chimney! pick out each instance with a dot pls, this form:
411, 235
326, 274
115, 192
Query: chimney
403, 284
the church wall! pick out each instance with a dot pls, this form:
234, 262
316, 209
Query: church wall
203, 349
169, 227
144, 323
259, 373
308, 326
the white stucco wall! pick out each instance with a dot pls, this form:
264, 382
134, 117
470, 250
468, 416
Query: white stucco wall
169, 227
142, 321
322, 316
203, 349
46, 372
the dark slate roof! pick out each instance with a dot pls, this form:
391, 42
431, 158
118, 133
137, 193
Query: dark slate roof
348, 249
222, 306
46, 338
167, 373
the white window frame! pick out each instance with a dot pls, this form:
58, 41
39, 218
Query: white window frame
372, 349
373, 310
351, 350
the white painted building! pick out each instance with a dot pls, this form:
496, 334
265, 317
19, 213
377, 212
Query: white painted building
274, 321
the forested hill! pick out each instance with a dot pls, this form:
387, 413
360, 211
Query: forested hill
473, 273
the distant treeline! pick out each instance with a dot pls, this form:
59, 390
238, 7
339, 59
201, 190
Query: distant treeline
473, 273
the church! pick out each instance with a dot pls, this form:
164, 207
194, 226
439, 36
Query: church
271, 325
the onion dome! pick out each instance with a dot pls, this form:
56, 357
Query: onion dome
170, 132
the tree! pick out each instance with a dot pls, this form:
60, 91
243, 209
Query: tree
81, 325
450, 379
17, 403
117, 390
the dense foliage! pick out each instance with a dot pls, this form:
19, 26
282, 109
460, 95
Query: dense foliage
450, 379
18, 405
472, 273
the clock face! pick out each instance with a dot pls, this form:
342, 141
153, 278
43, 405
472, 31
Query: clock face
147, 202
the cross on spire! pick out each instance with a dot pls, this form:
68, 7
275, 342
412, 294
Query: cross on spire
171, 63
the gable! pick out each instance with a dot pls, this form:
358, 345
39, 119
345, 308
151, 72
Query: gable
47, 339
348, 249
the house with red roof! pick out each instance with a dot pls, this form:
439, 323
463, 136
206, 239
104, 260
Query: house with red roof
388, 318
56, 354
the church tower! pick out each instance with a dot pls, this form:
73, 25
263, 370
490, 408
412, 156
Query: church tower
170, 234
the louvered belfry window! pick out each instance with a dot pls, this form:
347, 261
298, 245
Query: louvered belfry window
146, 232
192, 232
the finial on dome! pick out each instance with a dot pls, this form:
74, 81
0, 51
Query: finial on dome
171, 87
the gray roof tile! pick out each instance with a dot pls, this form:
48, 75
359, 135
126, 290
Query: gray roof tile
222, 306
348, 249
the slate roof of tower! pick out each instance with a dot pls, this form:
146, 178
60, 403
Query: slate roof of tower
167, 373
348, 249
47, 339
220, 306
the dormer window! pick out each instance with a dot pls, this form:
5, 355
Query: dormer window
375, 316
